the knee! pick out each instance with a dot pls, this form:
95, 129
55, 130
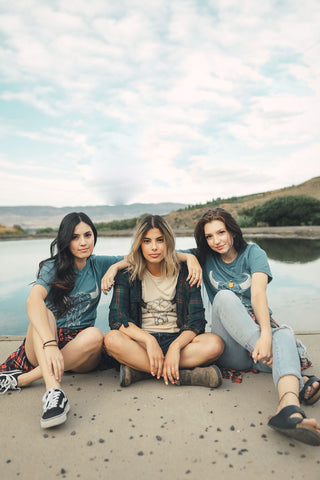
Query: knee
112, 340
225, 304
224, 297
213, 346
92, 339
283, 335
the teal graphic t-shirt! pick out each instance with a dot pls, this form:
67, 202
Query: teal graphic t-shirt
86, 293
237, 275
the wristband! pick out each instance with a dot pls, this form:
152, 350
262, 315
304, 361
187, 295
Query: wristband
49, 341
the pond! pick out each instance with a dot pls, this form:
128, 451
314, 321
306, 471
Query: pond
294, 293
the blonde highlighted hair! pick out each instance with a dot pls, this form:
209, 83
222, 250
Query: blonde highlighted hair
137, 263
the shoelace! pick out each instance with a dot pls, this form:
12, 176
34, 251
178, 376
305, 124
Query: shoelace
52, 399
8, 383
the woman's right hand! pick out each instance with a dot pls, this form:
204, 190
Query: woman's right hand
156, 357
55, 361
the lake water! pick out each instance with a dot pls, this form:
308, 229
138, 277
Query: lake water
294, 293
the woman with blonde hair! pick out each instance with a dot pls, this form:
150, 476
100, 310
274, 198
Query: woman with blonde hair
157, 318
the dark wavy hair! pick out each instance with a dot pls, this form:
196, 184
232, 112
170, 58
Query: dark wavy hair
221, 214
65, 276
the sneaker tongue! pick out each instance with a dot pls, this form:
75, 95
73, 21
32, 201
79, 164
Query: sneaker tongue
52, 398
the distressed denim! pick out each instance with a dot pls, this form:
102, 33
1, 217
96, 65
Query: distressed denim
232, 322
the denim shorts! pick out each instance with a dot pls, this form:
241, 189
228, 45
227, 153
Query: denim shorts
164, 340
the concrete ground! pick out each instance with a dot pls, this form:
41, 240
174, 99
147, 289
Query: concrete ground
152, 431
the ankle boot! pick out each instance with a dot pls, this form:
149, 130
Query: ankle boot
201, 376
129, 375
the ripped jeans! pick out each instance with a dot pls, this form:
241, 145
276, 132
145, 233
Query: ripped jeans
232, 322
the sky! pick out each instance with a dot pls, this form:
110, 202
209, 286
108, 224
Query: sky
118, 102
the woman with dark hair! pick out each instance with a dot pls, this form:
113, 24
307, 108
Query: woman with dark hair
62, 308
236, 275
157, 318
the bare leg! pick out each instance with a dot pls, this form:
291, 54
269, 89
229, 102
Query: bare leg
203, 350
288, 391
81, 354
36, 356
127, 351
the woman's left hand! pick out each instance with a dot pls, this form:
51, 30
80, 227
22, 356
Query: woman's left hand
262, 351
170, 370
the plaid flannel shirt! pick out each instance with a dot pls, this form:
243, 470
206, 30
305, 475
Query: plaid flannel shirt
127, 301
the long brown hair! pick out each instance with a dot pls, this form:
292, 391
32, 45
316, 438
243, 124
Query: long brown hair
221, 214
137, 262
65, 275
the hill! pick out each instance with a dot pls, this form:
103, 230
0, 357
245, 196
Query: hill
179, 216
186, 219
33, 217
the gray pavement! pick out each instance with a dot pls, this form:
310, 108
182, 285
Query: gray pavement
149, 430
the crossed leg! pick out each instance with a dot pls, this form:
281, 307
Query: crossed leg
204, 349
82, 354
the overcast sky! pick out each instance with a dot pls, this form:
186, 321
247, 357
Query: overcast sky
124, 101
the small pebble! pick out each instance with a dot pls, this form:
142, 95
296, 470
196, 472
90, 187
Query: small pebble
242, 451
73, 433
140, 453
232, 428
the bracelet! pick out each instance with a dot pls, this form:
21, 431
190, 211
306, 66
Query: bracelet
50, 346
49, 341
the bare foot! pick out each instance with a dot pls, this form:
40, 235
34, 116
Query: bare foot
311, 390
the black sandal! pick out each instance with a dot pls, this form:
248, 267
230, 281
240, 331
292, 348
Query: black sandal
292, 426
315, 397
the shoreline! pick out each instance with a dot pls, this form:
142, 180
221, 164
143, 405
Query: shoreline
303, 232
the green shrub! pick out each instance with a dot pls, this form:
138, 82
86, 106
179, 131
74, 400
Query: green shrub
290, 210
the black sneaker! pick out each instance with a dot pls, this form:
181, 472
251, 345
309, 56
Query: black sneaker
55, 408
9, 380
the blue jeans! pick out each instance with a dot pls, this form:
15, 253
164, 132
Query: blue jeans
165, 339
232, 322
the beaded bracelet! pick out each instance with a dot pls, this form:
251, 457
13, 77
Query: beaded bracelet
49, 341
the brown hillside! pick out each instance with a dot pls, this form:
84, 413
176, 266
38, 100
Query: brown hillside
4, 230
187, 219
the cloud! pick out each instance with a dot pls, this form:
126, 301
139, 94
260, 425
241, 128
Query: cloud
180, 100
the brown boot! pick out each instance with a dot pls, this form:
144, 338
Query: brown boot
201, 376
129, 375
